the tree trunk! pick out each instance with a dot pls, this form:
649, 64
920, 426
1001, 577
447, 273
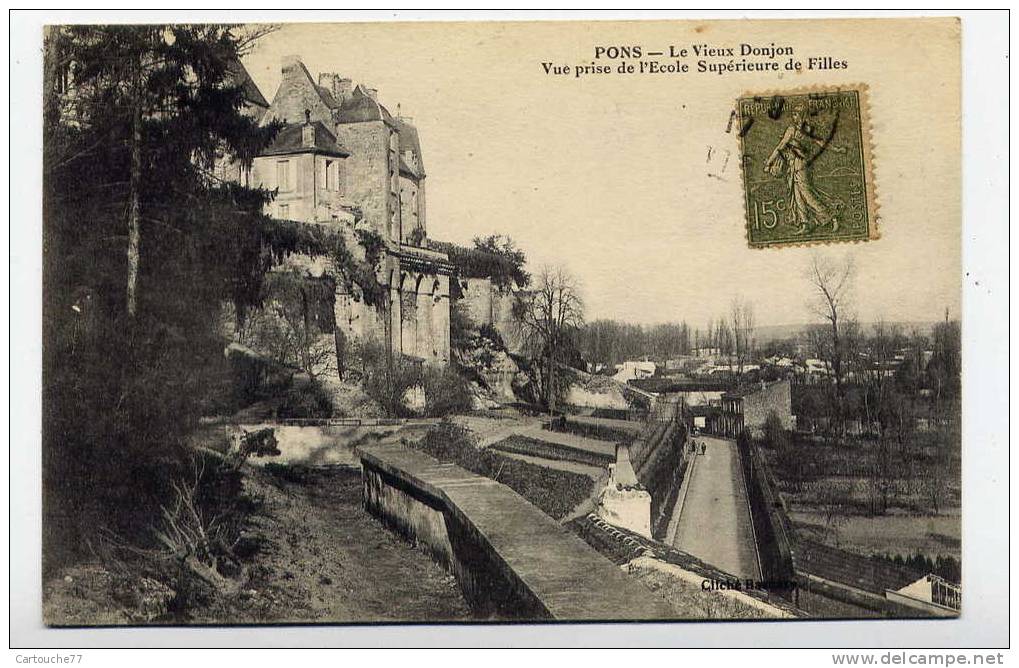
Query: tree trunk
133, 222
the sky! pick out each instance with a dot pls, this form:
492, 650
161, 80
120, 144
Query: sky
630, 182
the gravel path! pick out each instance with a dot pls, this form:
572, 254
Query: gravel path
715, 524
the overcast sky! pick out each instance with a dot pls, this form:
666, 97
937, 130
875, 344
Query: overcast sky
609, 176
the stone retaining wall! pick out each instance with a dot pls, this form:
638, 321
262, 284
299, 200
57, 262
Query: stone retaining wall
510, 559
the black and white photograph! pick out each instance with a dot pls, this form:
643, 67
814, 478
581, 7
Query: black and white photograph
488, 323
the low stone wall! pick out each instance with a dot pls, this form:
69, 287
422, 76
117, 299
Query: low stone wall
510, 559
658, 457
772, 531
628, 548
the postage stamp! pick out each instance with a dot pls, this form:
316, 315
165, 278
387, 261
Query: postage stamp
806, 163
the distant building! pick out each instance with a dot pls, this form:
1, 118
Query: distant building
633, 370
707, 352
932, 594
749, 407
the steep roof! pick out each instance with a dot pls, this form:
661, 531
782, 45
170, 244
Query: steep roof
290, 140
409, 139
326, 95
238, 75
361, 107
408, 170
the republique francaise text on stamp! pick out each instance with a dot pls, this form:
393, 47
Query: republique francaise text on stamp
807, 176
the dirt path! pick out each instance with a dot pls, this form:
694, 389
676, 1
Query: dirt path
326, 560
715, 522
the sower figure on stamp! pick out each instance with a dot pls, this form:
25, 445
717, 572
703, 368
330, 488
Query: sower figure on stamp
798, 149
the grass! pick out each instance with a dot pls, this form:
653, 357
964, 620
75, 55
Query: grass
316, 557
524, 445
897, 534
591, 430
835, 493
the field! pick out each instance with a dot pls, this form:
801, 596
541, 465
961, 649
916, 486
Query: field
870, 497
896, 534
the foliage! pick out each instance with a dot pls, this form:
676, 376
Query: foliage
359, 275
417, 236
292, 325
513, 272
462, 328
385, 378
446, 392
612, 342
944, 566
495, 257
136, 119
287, 237
388, 382
591, 430
870, 476
305, 400
524, 445
489, 332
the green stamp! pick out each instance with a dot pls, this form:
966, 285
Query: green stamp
807, 176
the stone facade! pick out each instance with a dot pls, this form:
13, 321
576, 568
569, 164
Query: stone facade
750, 407
342, 160
487, 304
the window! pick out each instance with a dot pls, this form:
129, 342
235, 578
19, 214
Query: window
285, 211
284, 176
329, 178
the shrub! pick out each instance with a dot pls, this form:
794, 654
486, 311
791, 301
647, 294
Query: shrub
489, 332
309, 400
386, 378
446, 392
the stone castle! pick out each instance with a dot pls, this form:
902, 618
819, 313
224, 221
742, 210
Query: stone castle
342, 160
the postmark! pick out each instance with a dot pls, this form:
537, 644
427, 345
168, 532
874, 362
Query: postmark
806, 167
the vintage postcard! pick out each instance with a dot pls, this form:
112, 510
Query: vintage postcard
501, 321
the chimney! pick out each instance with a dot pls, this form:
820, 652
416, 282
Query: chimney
342, 89
327, 80
338, 86
307, 131
399, 114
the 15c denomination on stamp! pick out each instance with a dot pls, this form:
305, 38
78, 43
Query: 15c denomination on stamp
807, 176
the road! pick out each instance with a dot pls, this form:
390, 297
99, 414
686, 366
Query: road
714, 524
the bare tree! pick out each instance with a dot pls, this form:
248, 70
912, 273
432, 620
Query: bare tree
831, 284
741, 315
548, 316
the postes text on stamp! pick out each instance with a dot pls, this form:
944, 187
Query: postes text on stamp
806, 167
